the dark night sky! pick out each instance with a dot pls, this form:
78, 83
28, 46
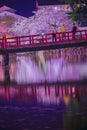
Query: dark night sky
25, 7
49, 2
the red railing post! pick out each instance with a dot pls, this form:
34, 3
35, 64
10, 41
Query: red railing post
4, 41
80, 35
59, 37
73, 36
46, 38
18, 41
32, 40
68, 37
86, 34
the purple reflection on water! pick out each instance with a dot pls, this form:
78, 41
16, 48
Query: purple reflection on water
55, 70
28, 72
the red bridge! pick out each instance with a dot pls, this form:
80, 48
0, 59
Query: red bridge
45, 41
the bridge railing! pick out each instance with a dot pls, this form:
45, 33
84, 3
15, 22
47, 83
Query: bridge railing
36, 40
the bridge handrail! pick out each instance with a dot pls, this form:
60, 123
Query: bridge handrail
34, 40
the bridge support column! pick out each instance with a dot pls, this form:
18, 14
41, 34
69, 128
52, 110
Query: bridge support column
6, 59
6, 63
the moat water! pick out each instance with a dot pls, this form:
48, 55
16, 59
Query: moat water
46, 90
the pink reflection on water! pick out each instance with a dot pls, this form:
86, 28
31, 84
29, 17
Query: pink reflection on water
56, 70
2, 74
42, 94
28, 72
12, 71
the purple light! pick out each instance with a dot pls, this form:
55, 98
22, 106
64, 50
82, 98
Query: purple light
51, 71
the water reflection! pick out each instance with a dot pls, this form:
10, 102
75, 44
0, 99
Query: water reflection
54, 107
43, 94
50, 66
27, 71
2, 74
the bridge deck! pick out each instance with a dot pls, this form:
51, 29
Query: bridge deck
42, 42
